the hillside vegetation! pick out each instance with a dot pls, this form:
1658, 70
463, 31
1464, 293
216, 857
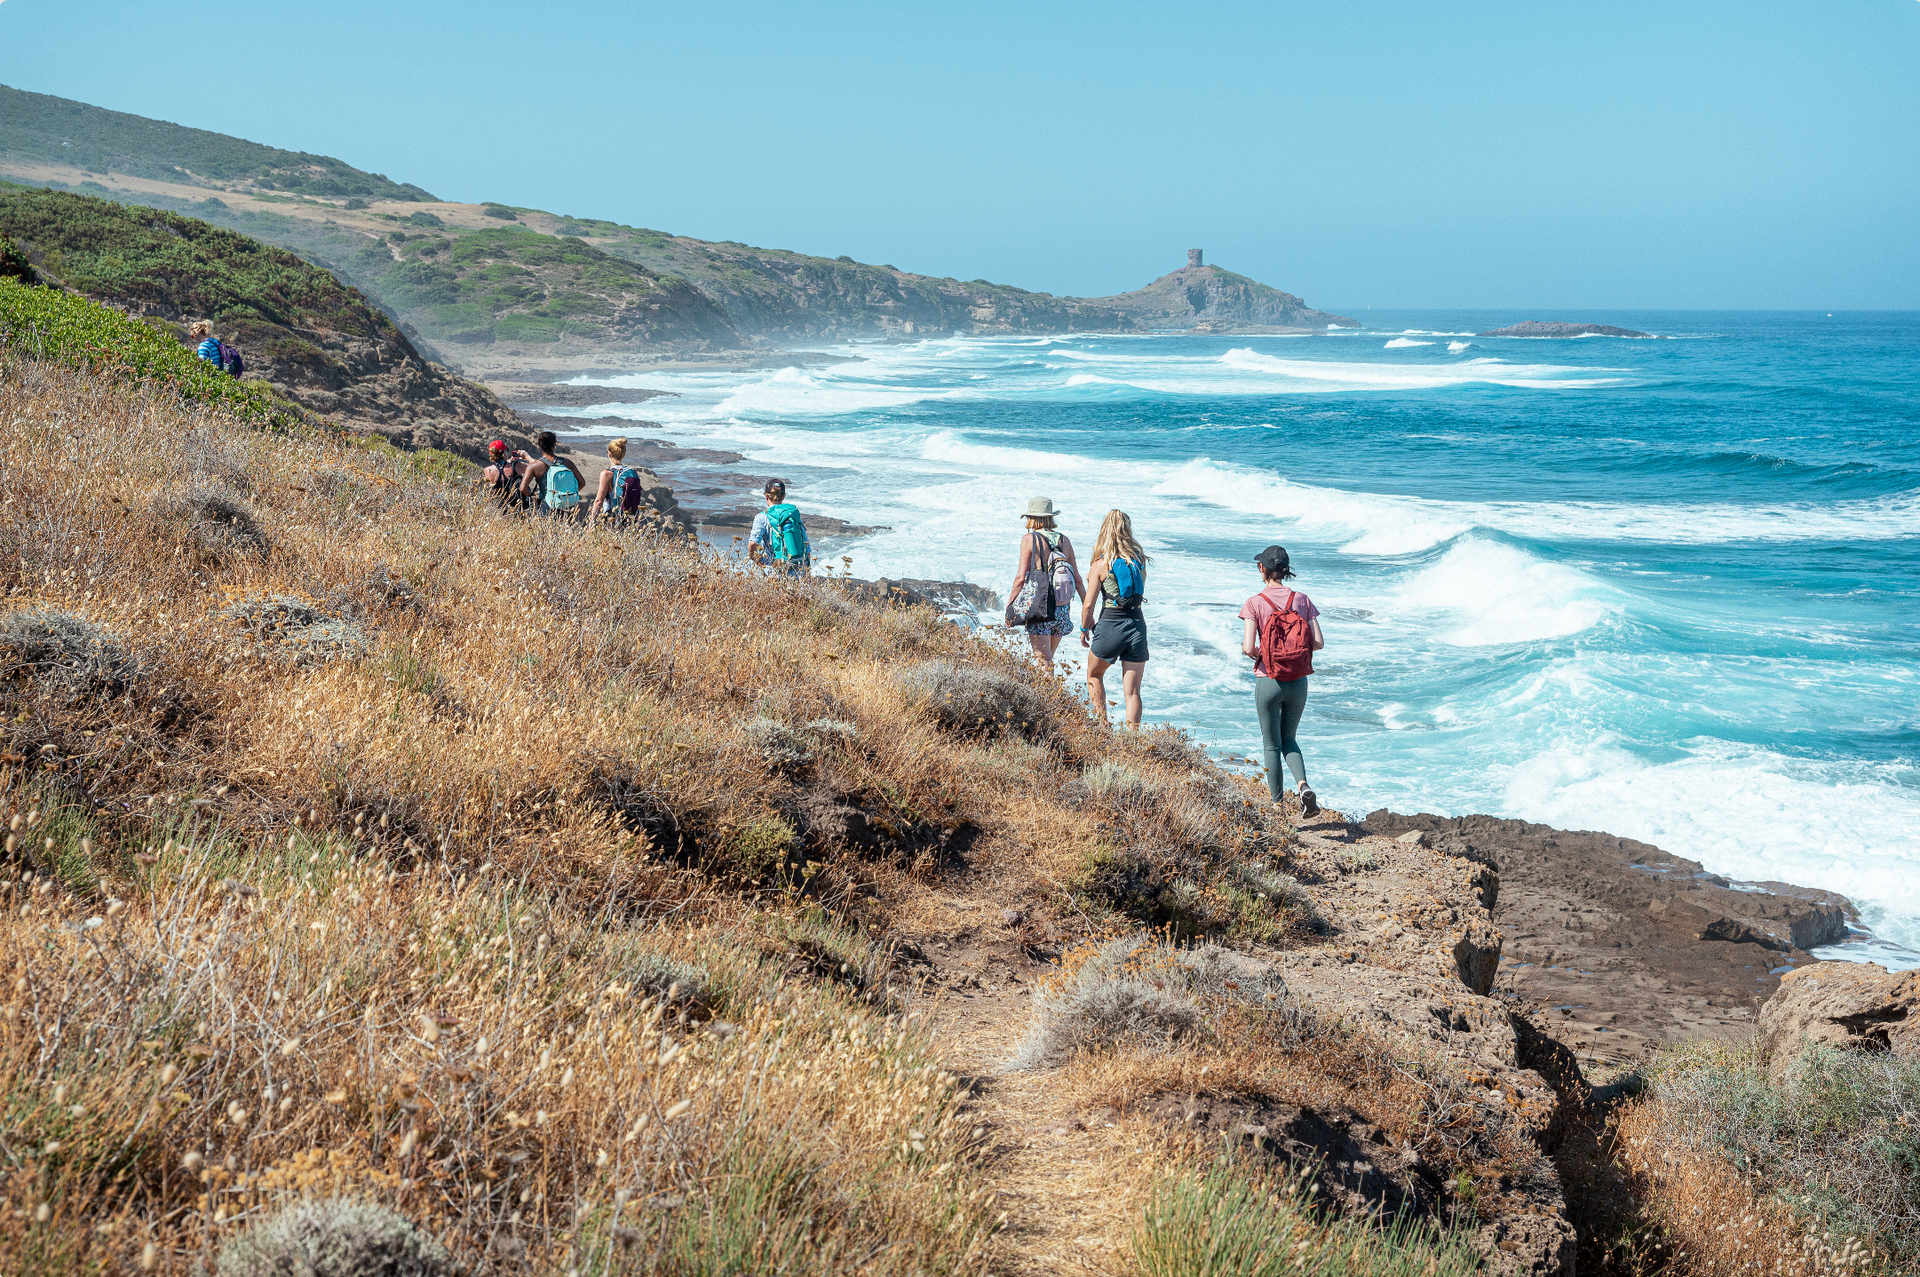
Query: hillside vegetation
515, 286
568, 308
53, 130
314, 339
366, 843
47, 324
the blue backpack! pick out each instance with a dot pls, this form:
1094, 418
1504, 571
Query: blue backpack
1129, 583
789, 539
562, 487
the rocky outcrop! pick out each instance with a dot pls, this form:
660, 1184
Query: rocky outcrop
1616, 948
1414, 957
1210, 299
957, 599
1546, 328
542, 395
1854, 1005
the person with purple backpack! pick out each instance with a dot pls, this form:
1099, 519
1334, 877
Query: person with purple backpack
1281, 632
621, 492
222, 356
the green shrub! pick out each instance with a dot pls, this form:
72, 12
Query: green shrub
1835, 1135
1234, 1220
49, 324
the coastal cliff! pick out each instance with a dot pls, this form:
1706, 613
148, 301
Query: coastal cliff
511, 291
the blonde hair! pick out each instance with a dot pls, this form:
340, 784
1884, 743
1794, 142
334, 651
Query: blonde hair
200, 328
1037, 521
1116, 540
617, 449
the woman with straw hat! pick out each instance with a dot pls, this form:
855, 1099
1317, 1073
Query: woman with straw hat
1047, 551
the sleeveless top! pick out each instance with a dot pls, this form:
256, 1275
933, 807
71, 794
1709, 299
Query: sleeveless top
1110, 593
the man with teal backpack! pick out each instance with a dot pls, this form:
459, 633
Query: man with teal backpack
778, 538
552, 484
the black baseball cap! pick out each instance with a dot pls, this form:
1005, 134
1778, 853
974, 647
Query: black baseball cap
1273, 559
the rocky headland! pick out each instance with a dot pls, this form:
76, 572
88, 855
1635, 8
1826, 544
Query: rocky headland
1210, 299
1554, 328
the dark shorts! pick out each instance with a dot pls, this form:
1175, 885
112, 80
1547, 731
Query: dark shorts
1120, 636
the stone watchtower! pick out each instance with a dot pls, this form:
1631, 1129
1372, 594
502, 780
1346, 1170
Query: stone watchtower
1193, 258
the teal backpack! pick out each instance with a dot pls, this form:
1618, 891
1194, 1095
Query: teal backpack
563, 487
789, 538
1129, 584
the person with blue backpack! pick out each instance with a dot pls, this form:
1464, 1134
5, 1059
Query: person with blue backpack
1118, 578
552, 483
778, 538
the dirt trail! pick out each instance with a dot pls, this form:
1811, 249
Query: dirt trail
1062, 1175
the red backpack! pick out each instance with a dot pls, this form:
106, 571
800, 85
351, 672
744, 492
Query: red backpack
1286, 644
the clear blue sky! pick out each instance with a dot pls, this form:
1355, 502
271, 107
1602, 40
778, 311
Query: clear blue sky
1705, 153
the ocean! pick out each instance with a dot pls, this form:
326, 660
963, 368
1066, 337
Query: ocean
1668, 589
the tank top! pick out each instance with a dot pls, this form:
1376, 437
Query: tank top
1110, 593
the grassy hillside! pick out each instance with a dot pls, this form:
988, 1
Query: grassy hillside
315, 339
513, 285
54, 130
295, 912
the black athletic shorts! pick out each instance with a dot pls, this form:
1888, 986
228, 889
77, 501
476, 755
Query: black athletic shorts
1120, 636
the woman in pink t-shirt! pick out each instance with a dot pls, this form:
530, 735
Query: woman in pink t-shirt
1280, 685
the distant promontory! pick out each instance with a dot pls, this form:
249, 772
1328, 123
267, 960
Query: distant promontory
1553, 328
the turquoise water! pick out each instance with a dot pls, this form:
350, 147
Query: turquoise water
1664, 588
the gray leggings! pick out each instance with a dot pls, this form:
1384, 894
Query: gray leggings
1279, 706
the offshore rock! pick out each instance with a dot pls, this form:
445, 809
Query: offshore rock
1553, 328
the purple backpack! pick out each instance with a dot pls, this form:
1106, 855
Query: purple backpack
230, 359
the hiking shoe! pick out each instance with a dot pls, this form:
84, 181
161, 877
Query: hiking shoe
1309, 804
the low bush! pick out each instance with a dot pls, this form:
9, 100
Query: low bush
974, 701
1138, 992
211, 524
331, 1237
293, 631
1821, 1163
62, 654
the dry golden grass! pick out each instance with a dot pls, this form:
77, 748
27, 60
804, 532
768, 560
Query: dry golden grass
1718, 1222
398, 914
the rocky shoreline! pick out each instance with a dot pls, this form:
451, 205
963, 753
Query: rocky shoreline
1613, 948
1617, 948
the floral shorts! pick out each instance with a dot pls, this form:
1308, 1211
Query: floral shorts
1061, 624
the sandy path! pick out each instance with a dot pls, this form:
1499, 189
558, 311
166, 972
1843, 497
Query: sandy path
1066, 1179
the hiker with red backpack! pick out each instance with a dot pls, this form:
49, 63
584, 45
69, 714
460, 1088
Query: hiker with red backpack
778, 538
1281, 634
621, 492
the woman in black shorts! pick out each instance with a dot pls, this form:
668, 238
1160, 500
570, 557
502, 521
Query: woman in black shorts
1118, 578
